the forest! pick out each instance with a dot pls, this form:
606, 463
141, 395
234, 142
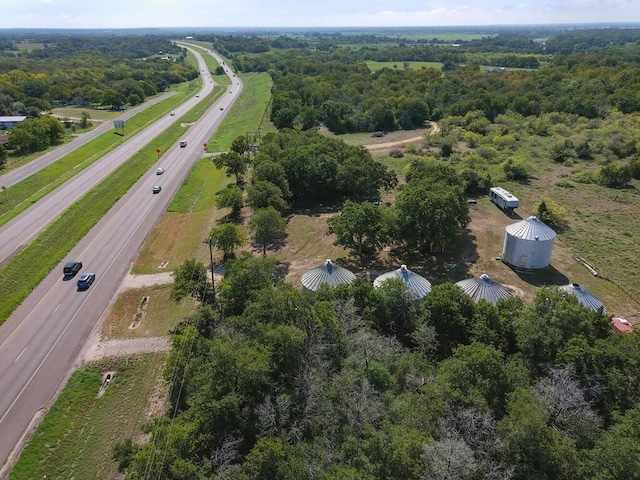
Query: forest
272, 382
86, 70
334, 87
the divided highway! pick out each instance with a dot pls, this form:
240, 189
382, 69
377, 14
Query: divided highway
40, 342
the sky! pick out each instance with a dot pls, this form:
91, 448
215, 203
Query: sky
308, 13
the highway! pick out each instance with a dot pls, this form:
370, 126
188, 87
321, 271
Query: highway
18, 174
40, 342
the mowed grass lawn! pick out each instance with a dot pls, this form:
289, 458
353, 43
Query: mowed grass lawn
159, 315
76, 438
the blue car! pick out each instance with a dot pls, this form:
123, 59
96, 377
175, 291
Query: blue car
86, 280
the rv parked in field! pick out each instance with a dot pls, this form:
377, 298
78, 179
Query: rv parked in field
505, 200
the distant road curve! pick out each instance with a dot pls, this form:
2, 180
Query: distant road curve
435, 128
18, 174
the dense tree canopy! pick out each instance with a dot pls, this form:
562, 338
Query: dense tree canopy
286, 382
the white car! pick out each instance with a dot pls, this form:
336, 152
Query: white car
173, 114
160, 171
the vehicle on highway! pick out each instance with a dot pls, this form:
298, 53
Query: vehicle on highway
71, 268
221, 108
173, 114
86, 280
156, 189
183, 143
159, 171
197, 95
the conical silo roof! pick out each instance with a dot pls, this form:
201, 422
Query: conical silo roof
584, 297
531, 228
328, 273
416, 284
483, 288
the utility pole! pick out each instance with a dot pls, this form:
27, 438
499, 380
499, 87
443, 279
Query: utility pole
213, 284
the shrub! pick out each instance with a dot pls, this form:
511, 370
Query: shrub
635, 169
615, 175
551, 213
515, 170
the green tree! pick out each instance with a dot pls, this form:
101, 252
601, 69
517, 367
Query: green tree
234, 164
230, 197
360, 177
227, 237
535, 449
607, 461
544, 328
262, 194
450, 311
267, 228
243, 279
270, 171
429, 218
275, 459
85, 121
240, 145
3, 156
474, 376
359, 226
191, 280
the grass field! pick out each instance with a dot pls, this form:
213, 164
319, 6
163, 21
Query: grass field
249, 113
76, 438
375, 66
159, 314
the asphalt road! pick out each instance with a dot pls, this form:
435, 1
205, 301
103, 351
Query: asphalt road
41, 340
18, 174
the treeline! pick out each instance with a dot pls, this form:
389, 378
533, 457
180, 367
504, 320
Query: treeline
336, 89
273, 382
89, 70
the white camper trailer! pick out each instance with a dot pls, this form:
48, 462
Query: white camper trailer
505, 200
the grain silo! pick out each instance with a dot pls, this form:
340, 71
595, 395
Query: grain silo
483, 288
584, 297
328, 273
417, 285
528, 244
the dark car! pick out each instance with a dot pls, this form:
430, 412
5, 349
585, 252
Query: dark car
71, 268
86, 280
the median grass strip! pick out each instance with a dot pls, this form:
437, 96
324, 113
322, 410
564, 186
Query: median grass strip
76, 438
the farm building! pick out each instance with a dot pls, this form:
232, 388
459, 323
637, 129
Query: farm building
483, 288
328, 273
584, 297
416, 284
528, 244
621, 325
10, 122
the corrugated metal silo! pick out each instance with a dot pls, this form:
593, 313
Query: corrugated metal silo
416, 284
528, 244
584, 297
483, 288
328, 273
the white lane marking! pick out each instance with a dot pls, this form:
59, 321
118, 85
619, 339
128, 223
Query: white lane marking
25, 349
